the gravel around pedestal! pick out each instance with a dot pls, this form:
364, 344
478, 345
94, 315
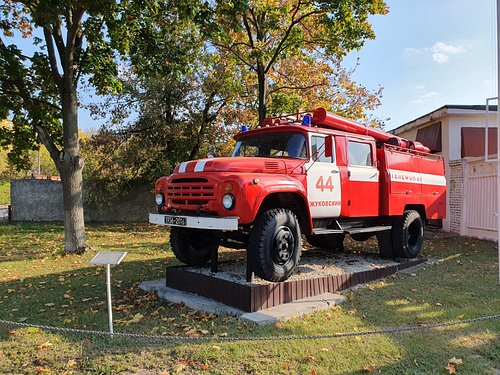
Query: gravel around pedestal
314, 263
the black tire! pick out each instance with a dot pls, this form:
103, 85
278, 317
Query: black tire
327, 241
192, 246
408, 235
275, 244
361, 237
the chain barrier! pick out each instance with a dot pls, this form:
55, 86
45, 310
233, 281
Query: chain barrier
407, 329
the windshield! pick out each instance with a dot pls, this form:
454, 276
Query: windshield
274, 145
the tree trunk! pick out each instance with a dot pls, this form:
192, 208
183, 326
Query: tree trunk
262, 79
70, 168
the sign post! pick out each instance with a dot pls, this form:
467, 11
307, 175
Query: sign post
108, 258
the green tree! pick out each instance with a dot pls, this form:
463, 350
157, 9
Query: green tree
39, 92
264, 36
176, 106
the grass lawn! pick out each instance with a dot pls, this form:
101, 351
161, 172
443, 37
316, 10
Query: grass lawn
4, 192
39, 285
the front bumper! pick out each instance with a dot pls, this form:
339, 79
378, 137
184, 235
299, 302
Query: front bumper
198, 222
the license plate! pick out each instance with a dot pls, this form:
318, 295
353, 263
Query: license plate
175, 220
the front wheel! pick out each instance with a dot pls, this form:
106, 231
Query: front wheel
276, 244
408, 234
192, 246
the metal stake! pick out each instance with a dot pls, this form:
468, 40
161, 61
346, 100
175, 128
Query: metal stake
110, 308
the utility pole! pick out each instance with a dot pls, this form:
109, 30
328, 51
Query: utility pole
498, 134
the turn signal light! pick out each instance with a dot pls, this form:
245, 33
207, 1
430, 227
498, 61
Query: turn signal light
228, 187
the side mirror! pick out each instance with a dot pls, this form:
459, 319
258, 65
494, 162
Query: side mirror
328, 146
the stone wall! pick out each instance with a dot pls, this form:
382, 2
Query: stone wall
455, 194
41, 200
36, 200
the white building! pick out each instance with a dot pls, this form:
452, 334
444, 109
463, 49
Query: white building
457, 132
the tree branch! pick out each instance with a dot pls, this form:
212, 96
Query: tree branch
46, 139
308, 87
249, 31
228, 48
294, 22
56, 76
57, 34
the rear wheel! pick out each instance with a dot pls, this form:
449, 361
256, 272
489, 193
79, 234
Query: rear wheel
327, 241
276, 244
192, 246
408, 235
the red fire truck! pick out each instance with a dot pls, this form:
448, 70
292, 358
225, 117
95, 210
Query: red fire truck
316, 174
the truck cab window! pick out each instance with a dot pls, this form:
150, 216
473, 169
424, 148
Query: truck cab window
318, 150
277, 145
360, 154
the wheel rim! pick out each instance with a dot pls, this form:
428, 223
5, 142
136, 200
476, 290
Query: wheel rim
414, 233
283, 245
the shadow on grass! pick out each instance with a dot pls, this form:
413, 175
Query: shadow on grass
77, 299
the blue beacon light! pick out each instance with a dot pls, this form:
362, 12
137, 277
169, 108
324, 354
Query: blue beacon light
307, 120
244, 128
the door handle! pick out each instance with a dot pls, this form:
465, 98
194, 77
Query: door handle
334, 171
374, 175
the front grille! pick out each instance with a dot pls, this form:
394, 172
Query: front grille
190, 191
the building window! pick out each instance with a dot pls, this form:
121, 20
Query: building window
430, 136
473, 141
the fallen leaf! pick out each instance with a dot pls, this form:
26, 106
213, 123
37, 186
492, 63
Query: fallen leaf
309, 358
41, 370
22, 319
45, 345
286, 366
12, 332
369, 368
215, 347
325, 349
313, 371
453, 364
180, 367
136, 319
71, 363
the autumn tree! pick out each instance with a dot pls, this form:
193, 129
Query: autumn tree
266, 37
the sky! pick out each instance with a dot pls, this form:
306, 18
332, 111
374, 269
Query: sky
428, 53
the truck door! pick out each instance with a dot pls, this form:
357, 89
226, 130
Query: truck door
363, 178
323, 180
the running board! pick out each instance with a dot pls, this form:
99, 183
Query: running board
380, 228
352, 230
328, 231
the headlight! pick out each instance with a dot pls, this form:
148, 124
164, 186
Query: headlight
159, 199
228, 201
